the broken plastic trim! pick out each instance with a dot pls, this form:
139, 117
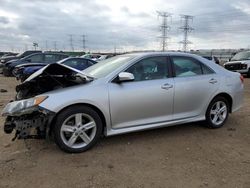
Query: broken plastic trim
51, 77
35, 125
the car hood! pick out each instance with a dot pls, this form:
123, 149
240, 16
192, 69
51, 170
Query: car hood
233, 62
13, 62
30, 64
51, 77
8, 58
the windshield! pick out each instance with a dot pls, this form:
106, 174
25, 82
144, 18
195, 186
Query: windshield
105, 67
241, 56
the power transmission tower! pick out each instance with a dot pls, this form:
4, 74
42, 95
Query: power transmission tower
186, 28
164, 28
55, 45
83, 42
71, 42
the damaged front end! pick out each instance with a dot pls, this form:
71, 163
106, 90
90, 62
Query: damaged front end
24, 115
34, 125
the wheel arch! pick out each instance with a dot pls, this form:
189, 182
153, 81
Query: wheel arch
100, 113
227, 97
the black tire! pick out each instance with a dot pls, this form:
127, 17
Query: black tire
209, 122
62, 116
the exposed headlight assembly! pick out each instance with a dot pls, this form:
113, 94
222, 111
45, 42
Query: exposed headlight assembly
21, 107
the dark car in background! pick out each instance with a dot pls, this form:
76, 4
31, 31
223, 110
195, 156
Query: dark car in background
5, 54
33, 59
19, 56
212, 58
22, 72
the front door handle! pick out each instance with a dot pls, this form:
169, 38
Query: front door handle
212, 81
166, 86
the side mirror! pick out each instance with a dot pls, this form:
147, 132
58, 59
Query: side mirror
125, 76
229, 59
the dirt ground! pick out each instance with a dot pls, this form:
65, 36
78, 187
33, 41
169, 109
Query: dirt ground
182, 156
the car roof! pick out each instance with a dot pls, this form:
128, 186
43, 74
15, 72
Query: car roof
143, 54
54, 53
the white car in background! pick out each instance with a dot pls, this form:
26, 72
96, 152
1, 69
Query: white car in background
95, 57
240, 63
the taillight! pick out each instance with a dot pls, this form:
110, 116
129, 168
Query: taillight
242, 79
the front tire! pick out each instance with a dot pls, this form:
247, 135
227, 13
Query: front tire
217, 112
77, 129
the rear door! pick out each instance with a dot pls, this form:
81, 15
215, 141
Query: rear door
146, 100
195, 83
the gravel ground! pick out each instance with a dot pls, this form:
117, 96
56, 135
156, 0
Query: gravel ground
181, 156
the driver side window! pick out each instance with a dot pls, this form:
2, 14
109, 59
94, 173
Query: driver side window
150, 69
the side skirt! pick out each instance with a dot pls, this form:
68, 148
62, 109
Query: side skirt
112, 132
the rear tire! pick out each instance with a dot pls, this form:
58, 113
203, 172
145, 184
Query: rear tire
217, 112
77, 129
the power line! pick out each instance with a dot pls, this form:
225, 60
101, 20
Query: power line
186, 28
164, 28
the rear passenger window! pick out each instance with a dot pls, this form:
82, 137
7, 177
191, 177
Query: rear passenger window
206, 70
185, 66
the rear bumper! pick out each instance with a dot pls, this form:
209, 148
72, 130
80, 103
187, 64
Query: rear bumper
238, 99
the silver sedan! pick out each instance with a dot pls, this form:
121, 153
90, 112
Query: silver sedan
128, 93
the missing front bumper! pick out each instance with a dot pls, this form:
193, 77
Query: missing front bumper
35, 125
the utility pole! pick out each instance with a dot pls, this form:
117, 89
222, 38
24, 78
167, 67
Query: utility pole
71, 42
115, 49
83, 42
55, 46
46, 45
186, 28
164, 28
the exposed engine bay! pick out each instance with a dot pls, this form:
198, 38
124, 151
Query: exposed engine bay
33, 123
51, 77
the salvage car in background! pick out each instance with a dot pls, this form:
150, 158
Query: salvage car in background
19, 56
240, 63
33, 59
23, 71
126, 93
213, 59
96, 57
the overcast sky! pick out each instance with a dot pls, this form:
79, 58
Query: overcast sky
126, 24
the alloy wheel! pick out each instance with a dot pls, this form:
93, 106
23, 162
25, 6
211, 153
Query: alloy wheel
78, 130
218, 112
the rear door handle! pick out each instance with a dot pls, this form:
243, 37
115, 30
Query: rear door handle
166, 86
212, 81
